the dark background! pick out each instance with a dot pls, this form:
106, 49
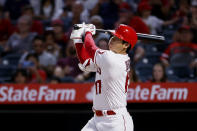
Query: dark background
72, 117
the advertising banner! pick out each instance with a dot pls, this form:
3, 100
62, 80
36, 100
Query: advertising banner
83, 93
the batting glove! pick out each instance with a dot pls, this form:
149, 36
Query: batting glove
88, 66
76, 35
90, 28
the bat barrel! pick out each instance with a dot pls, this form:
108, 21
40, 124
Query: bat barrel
142, 36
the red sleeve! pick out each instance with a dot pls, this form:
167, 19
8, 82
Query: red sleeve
37, 27
90, 45
166, 53
194, 46
81, 52
139, 26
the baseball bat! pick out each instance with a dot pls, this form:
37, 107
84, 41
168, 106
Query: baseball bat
141, 36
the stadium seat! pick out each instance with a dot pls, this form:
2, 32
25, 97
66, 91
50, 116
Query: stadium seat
11, 59
6, 73
173, 78
168, 32
153, 57
181, 72
192, 80
67, 79
144, 71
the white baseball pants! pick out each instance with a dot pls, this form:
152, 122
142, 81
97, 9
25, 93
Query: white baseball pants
122, 121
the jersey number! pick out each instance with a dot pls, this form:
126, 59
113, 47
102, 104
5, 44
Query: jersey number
98, 87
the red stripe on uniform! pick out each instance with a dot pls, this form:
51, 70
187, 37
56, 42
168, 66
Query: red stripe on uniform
126, 83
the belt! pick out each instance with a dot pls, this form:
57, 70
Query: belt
104, 112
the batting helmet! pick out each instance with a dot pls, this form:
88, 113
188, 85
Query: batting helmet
126, 33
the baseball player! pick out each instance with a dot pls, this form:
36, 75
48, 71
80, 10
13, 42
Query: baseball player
112, 76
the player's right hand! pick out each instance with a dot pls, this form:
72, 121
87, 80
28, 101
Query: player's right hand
90, 28
76, 35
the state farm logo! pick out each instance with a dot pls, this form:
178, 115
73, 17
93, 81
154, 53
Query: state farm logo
156, 92
43, 93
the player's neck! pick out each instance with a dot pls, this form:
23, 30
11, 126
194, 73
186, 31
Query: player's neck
120, 52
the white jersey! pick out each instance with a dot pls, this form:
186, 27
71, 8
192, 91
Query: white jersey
112, 80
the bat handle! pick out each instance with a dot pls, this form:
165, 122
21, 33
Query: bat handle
76, 27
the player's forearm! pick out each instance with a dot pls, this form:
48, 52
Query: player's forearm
81, 52
90, 45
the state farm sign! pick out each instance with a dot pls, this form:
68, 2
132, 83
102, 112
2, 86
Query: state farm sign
83, 93
43, 93
157, 92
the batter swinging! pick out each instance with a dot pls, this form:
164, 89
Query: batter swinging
112, 76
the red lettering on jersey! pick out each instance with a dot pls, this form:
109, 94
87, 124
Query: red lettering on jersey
99, 70
101, 52
88, 63
127, 65
98, 87
127, 82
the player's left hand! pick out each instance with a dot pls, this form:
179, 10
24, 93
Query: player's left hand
88, 66
76, 35
90, 28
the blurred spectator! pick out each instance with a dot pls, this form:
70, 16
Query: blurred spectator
6, 28
60, 37
108, 10
50, 44
133, 76
79, 13
35, 4
20, 76
47, 9
103, 44
14, 8
127, 16
159, 73
181, 52
191, 19
133, 4
66, 17
59, 5
89, 4
183, 10
2, 2
46, 60
36, 25
69, 64
98, 22
31, 64
62, 6
151, 21
139, 53
163, 9
21, 41
58, 72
